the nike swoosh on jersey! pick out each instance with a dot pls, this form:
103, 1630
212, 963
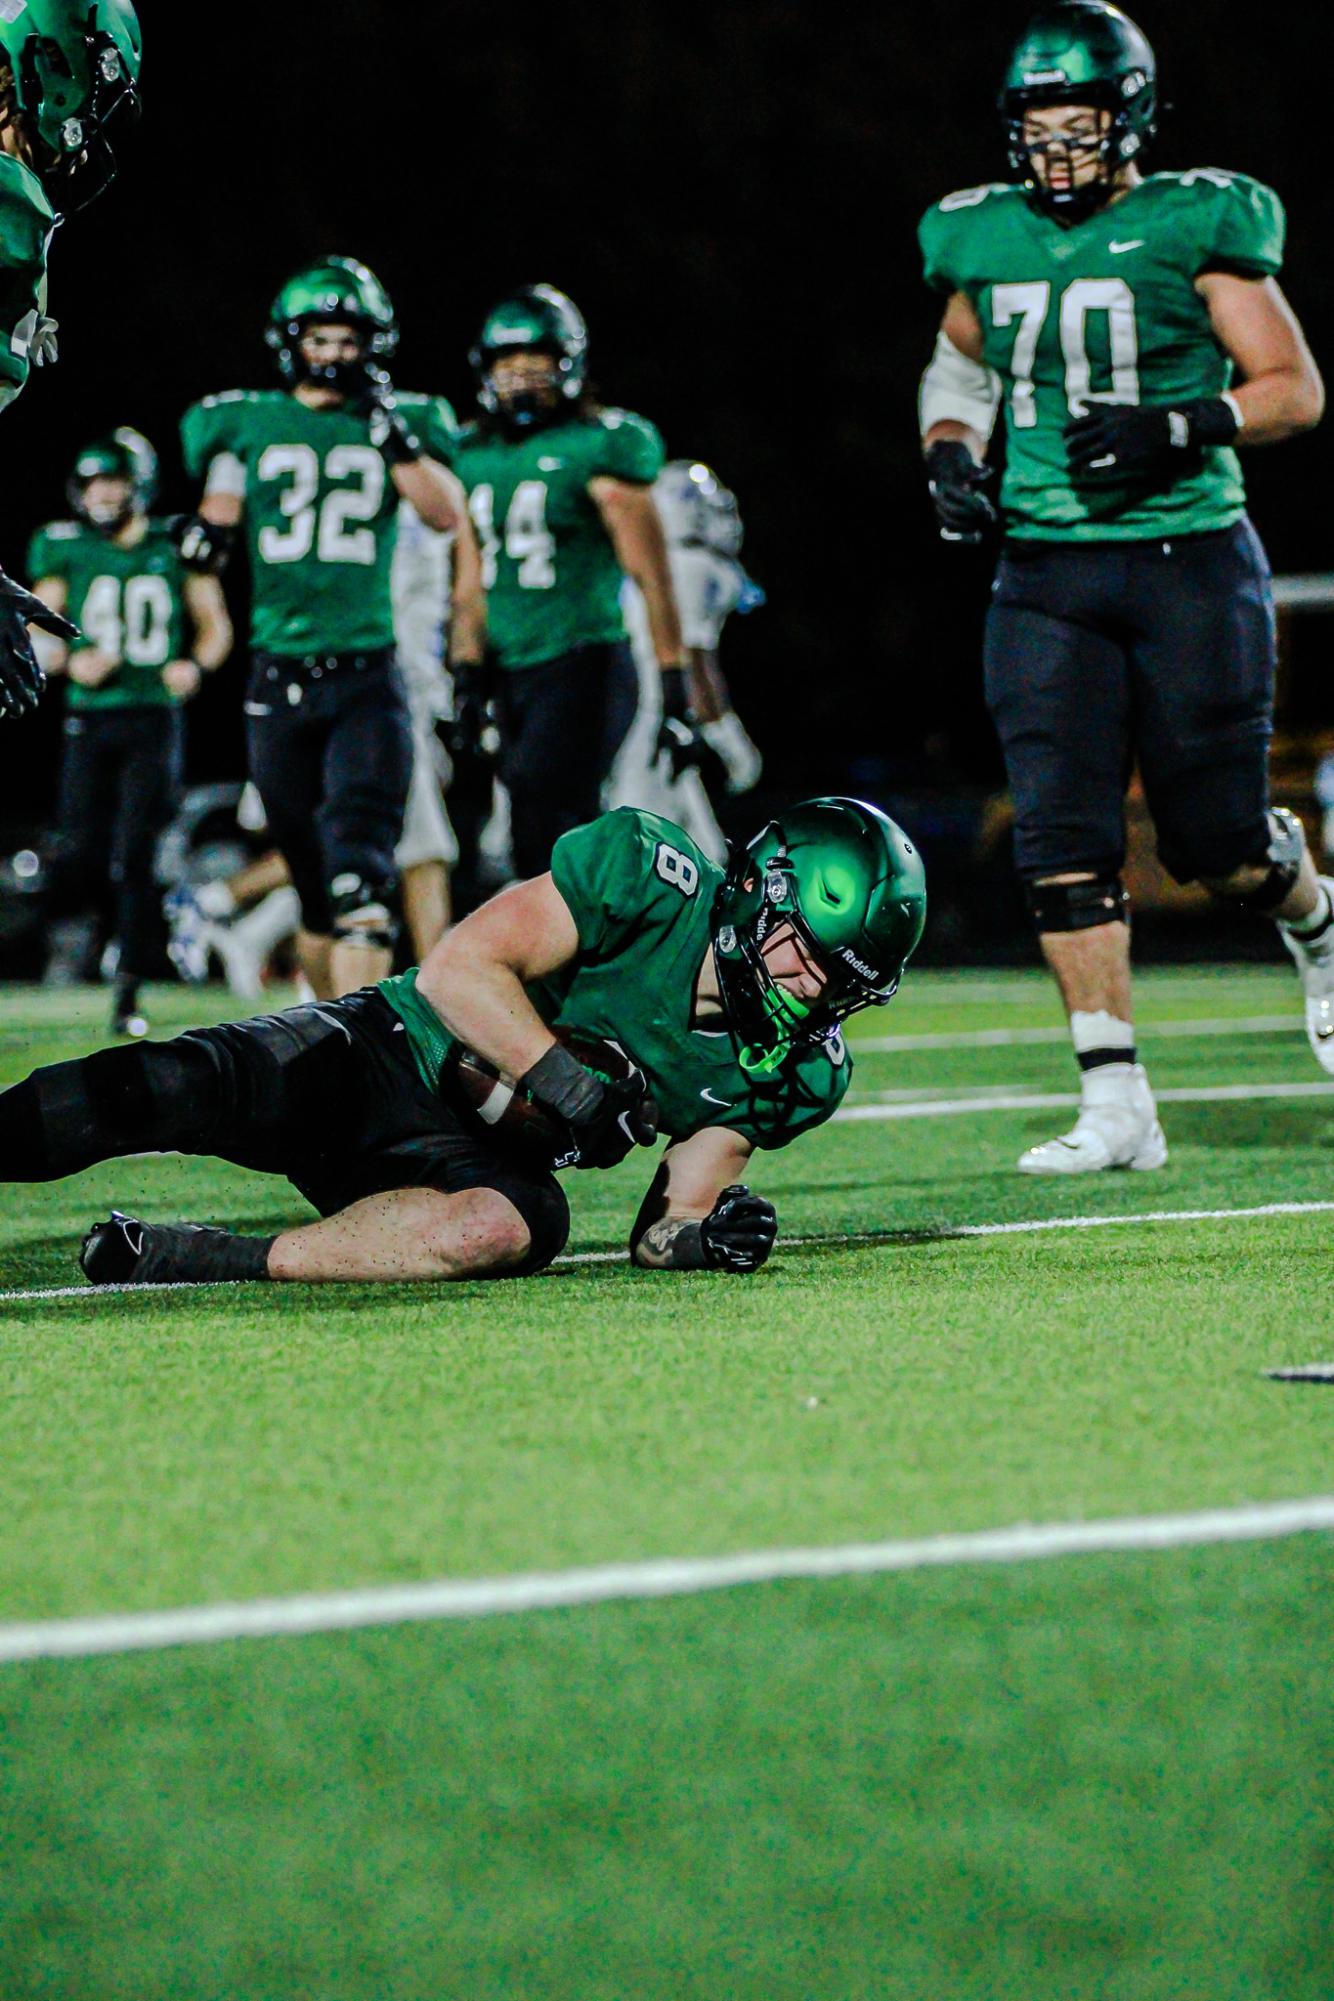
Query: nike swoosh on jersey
550, 465
726, 1103
1135, 243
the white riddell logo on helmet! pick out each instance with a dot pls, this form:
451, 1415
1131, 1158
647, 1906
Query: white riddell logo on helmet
859, 965
1045, 76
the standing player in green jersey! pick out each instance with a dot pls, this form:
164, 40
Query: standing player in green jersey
1136, 333
722, 991
68, 72
119, 576
559, 489
315, 471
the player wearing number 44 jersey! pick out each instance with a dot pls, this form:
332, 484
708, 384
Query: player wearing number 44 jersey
707, 1004
1135, 332
559, 489
315, 472
117, 573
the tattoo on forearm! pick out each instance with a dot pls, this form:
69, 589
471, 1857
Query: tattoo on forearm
672, 1246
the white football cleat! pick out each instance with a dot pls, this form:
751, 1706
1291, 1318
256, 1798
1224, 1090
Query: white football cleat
1117, 1127
1315, 965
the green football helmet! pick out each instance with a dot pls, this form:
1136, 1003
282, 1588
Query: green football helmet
851, 885
342, 292
536, 319
126, 455
76, 73
1081, 52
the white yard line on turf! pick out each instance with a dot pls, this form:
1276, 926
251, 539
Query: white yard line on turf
1050, 1101
1006, 1038
942, 1233
669, 1577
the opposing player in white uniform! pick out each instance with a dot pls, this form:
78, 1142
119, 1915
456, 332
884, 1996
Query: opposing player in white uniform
704, 533
420, 586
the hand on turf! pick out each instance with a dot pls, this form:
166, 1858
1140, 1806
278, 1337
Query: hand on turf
955, 482
739, 1231
21, 678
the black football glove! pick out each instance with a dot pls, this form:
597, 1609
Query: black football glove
21, 678
391, 434
955, 482
1116, 441
739, 1231
205, 547
679, 740
469, 735
606, 1121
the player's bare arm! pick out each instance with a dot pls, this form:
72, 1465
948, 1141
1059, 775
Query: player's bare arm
467, 616
433, 491
631, 521
474, 978
1280, 393
211, 626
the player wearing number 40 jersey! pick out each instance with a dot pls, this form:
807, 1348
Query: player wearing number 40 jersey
118, 575
723, 992
559, 489
315, 472
1135, 333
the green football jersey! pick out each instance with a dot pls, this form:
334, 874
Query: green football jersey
1105, 311
321, 511
551, 574
130, 603
640, 893
26, 222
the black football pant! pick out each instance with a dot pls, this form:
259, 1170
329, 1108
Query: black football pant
327, 1095
120, 774
329, 745
561, 724
1161, 653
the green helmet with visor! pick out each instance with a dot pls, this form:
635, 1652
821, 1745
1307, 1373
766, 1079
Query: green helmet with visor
75, 66
850, 886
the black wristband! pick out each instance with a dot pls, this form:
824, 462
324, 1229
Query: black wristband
1212, 420
561, 1081
675, 694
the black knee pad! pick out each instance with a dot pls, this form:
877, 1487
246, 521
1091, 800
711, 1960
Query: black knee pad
1078, 906
362, 911
542, 1204
1281, 858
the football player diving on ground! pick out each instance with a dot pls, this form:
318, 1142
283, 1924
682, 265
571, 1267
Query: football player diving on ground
1136, 332
68, 76
314, 473
710, 1003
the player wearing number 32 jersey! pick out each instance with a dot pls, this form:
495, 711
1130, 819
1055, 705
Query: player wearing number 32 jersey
1132, 331
313, 473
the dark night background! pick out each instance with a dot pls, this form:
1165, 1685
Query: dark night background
731, 196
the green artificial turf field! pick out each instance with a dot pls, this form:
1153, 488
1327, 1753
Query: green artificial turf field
1093, 1776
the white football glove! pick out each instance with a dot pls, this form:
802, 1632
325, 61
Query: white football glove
35, 337
730, 744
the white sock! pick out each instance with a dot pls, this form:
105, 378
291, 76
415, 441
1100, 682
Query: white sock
1104, 1045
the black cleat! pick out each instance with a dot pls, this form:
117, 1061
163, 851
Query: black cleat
124, 1251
